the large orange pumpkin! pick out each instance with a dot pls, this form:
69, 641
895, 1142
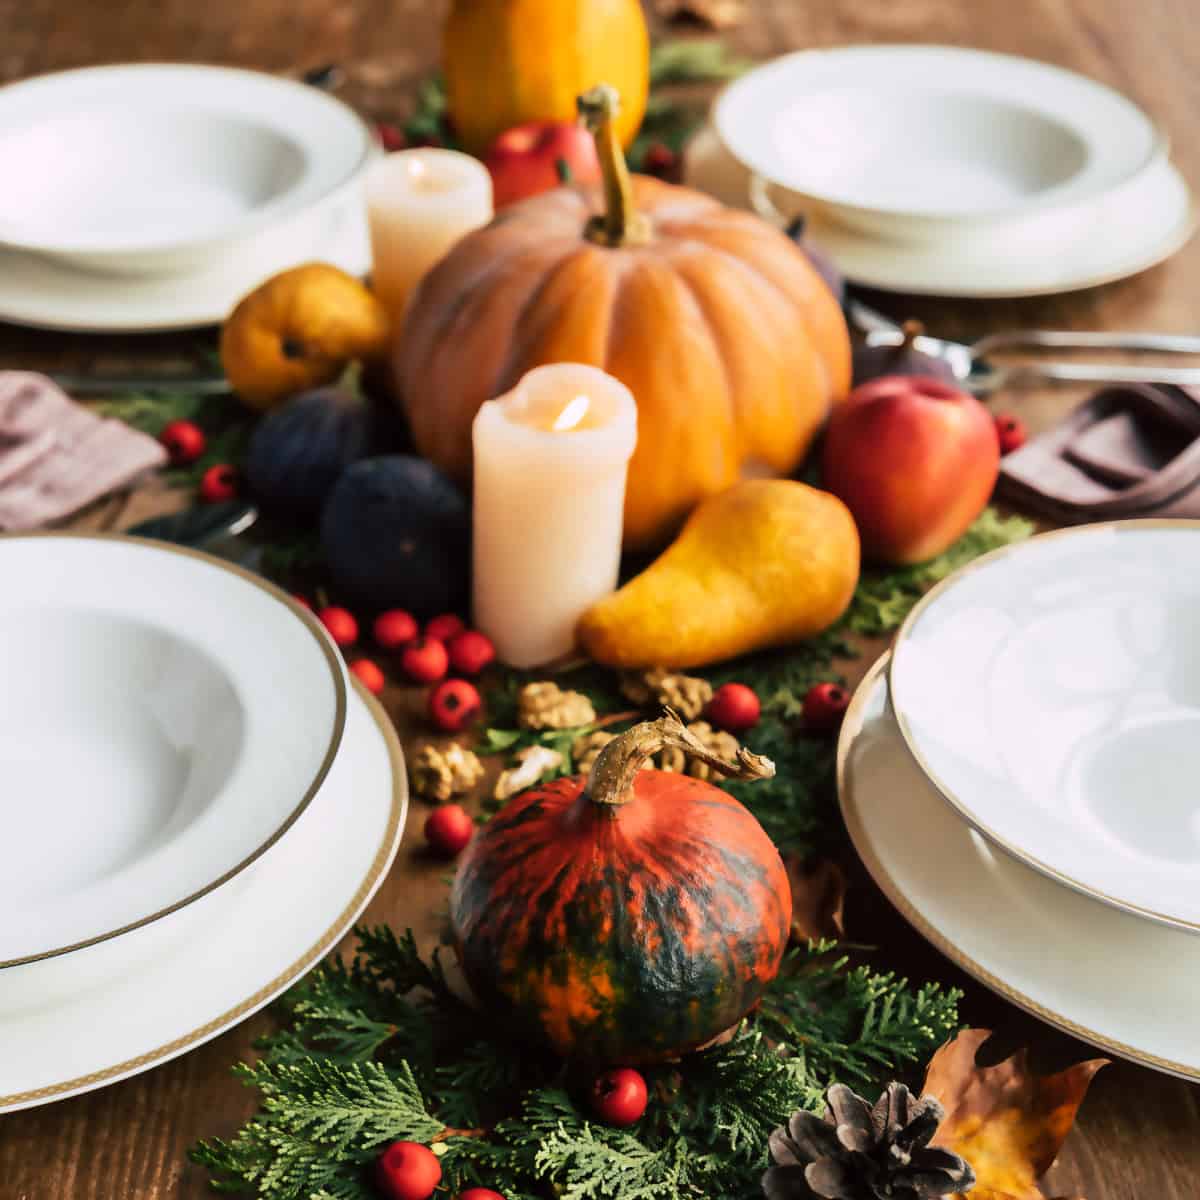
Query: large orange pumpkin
507, 62
731, 343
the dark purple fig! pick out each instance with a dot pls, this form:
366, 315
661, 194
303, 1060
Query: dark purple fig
871, 362
299, 451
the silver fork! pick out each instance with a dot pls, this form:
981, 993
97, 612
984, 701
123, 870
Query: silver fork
968, 360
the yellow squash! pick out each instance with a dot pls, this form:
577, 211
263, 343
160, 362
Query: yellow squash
510, 61
767, 562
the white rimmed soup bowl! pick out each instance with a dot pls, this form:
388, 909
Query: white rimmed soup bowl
1051, 692
933, 143
164, 719
157, 168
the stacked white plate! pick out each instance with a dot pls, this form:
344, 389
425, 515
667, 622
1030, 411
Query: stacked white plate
196, 805
951, 171
1021, 780
155, 196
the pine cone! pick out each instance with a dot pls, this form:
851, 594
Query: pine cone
862, 1153
440, 773
687, 695
547, 706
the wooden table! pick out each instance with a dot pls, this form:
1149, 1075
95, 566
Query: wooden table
1139, 1135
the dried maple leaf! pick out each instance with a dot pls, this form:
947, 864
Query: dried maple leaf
1008, 1123
716, 14
818, 894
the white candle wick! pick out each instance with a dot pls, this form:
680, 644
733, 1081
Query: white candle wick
572, 414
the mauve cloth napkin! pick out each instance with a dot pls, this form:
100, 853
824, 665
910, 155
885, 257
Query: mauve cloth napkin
56, 456
1130, 451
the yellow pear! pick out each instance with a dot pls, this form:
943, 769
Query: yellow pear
767, 562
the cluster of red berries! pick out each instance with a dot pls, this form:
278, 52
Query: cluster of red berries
426, 656
411, 1171
185, 443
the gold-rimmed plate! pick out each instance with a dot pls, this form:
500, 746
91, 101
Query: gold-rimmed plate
1051, 693
1093, 971
305, 895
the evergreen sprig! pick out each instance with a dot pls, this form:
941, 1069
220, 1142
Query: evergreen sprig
336, 1088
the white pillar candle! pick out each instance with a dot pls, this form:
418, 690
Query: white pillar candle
419, 204
550, 464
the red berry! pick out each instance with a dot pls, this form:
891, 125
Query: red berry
445, 627
391, 137
425, 660
407, 1171
184, 441
824, 706
395, 628
1011, 431
448, 829
368, 674
454, 704
619, 1097
662, 161
219, 483
734, 707
470, 652
303, 601
342, 626
479, 1194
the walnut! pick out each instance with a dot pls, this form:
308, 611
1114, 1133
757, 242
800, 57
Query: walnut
678, 761
587, 748
438, 773
546, 706
687, 695
715, 740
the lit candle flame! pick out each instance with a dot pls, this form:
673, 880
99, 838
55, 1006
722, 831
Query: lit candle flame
416, 170
572, 415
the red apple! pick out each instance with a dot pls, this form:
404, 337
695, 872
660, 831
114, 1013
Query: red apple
915, 460
533, 158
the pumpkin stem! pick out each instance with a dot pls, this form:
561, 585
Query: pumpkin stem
617, 765
621, 224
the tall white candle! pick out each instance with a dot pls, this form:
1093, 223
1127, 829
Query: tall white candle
550, 464
419, 204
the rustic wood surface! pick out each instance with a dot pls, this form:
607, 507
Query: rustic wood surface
1139, 1134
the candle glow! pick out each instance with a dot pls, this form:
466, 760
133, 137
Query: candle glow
551, 459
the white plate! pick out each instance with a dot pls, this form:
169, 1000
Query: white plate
1051, 691
160, 167
306, 894
1131, 230
41, 292
164, 719
1154, 216
914, 138
1116, 981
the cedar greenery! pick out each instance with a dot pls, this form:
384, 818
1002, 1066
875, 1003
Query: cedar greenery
382, 1048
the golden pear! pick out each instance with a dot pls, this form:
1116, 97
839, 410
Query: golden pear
767, 562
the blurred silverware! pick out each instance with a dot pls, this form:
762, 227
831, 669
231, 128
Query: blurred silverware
969, 363
101, 384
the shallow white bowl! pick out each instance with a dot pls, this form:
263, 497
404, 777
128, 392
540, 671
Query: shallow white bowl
914, 141
160, 167
164, 718
1051, 691
295, 907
